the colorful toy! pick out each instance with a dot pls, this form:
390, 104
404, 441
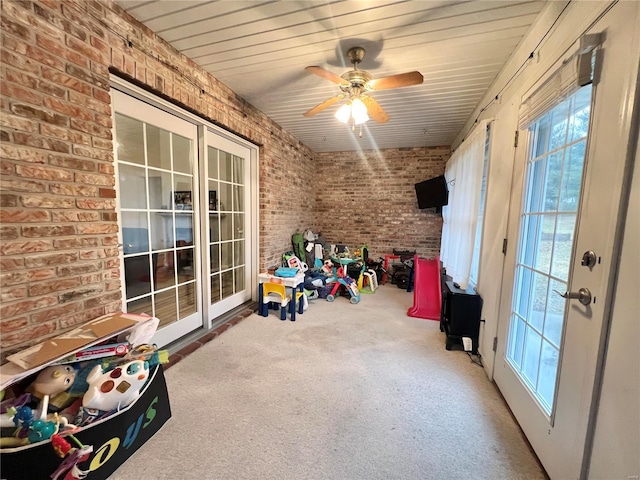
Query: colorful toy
41, 430
29, 430
69, 467
117, 388
347, 282
368, 277
60, 445
22, 419
99, 351
295, 262
148, 353
50, 382
327, 268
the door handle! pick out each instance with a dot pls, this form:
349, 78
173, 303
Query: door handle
583, 295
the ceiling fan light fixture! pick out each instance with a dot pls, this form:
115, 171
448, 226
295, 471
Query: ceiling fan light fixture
359, 112
355, 111
344, 113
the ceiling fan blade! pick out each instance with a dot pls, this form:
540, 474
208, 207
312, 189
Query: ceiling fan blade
374, 109
323, 105
395, 81
321, 72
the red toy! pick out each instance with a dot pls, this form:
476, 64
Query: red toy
343, 280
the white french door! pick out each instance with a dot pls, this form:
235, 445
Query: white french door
573, 170
156, 156
187, 197
547, 233
229, 232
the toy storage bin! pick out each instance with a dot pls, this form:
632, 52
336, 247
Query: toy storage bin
114, 438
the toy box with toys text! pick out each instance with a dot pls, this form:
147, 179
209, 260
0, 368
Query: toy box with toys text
64, 420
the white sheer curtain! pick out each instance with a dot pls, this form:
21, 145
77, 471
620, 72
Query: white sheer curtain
464, 176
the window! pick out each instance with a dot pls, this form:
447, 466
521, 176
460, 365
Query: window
460, 217
477, 244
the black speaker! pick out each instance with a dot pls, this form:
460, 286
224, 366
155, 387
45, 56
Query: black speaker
461, 313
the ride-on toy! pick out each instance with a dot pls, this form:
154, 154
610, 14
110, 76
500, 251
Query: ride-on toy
350, 286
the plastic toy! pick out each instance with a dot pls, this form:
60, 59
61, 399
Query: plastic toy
295, 262
117, 388
41, 430
23, 417
10, 407
29, 430
348, 283
52, 381
60, 445
327, 268
74, 456
11, 442
148, 353
427, 296
368, 277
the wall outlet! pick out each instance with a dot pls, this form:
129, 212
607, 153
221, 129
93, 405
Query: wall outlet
467, 343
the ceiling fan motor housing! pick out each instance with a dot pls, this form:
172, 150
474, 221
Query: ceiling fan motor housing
357, 78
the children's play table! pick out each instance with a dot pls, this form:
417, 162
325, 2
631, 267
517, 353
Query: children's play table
294, 283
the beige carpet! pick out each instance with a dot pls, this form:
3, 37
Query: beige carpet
345, 392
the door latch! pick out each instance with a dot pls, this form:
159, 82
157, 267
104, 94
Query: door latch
583, 295
588, 259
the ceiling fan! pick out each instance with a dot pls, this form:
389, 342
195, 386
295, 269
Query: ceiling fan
355, 85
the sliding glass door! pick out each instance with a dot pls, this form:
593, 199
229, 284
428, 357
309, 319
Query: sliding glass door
187, 196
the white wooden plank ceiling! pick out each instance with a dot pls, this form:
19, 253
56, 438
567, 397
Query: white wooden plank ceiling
260, 48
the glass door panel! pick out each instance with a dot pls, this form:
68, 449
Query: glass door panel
547, 229
155, 158
226, 179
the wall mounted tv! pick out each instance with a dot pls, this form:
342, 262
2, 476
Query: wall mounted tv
432, 193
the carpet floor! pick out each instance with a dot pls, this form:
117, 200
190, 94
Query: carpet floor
345, 392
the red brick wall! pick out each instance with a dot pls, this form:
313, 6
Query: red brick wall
368, 198
59, 260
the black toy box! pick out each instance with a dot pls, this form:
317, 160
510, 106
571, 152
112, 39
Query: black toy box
114, 439
109, 440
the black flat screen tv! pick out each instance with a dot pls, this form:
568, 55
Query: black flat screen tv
432, 193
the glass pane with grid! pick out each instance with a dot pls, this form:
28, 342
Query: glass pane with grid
156, 190
225, 179
547, 229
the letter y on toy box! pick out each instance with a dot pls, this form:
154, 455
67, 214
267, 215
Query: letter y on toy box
113, 439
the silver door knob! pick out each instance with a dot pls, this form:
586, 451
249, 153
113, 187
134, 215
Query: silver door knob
583, 295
